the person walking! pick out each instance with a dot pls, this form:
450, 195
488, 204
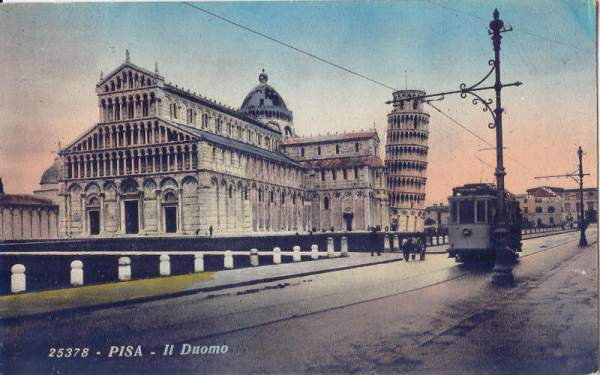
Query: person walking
373, 242
210, 230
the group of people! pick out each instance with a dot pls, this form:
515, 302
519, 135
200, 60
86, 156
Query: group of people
408, 246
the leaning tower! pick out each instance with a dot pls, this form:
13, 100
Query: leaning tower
406, 161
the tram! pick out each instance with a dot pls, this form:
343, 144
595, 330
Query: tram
472, 211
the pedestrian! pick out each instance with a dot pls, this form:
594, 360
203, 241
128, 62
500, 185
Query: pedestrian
407, 249
373, 243
210, 230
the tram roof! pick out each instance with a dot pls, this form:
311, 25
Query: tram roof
478, 189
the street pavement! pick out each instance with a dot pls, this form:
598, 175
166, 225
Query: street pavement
419, 317
121, 293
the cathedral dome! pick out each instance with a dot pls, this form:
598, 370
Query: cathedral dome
265, 104
50, 175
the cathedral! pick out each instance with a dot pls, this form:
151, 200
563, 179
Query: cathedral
163, 160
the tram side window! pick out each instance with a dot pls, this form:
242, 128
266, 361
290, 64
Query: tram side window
453, 212
491, 211
480, 211
467, 212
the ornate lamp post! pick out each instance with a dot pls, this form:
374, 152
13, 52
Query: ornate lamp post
502, 272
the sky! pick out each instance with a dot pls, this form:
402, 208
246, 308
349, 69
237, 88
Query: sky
52, 55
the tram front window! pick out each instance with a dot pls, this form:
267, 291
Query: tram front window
467, 212
453, 212
481, 211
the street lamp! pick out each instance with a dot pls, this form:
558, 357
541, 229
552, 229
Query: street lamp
502, 272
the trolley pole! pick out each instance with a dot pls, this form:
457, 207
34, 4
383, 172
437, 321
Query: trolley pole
580, 210
582, 239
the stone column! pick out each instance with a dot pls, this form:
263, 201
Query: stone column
158, 212
84, 226
120, 214
180, 210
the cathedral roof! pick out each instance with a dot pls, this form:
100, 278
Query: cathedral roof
342, 137
344, 162
51, 174
241, 146
23, 200
264, 101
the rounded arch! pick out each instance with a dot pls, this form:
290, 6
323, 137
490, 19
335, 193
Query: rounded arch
189, 180
168, 182
74, 188
169, 196
92, 188
129, 186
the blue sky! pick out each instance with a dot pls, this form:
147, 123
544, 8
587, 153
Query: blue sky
52, 55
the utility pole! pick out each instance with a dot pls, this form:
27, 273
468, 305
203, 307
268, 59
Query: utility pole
582, 240
580, 211
502, 272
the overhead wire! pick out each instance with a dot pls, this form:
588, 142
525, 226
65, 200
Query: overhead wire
338, 66
519, 30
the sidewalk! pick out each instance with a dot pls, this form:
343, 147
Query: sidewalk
122, 293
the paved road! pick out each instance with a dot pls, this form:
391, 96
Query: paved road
387, 318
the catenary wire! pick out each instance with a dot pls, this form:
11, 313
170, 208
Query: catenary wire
335, 65
520, 30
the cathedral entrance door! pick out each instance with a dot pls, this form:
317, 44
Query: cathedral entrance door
131, 217
348, 218
94, 222
170, 219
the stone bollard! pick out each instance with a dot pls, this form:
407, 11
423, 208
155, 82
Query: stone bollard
395, 242
165, 265
17, 279
253, 257
276, 255
314, 252
124, 269
344, 246
330, 248
228, 260
199, 262
386, 243
296, 256
76, 273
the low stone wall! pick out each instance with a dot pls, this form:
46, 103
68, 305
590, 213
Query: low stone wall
357, 241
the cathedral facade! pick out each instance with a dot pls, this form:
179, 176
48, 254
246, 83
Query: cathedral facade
162, 160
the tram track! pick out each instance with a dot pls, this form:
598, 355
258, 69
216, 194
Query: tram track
462, 274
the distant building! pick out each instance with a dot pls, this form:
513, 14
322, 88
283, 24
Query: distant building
571, 204
542, 206
437, 218
546, 205
27, 217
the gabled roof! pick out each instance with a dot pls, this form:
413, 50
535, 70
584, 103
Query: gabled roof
241, 146
545, 192
93, 127
343, 137
344, 162
128, 65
